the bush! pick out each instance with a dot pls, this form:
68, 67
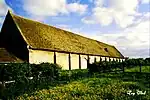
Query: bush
111, 65
20, 73
17, 72
104, 66
47, 70
68, 75
147, 61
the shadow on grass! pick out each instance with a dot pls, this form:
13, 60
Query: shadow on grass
29, 88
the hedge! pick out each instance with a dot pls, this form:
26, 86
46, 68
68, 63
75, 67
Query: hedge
21, 73
103, 66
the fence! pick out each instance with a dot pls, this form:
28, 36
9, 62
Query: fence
114, 66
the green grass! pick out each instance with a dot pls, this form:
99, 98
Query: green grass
99, 87
137, 69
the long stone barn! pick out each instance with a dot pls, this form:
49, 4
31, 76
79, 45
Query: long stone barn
35, 42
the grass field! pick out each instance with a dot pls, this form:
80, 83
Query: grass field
104, 86
137, 69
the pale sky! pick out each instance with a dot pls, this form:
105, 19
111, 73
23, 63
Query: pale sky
122, 23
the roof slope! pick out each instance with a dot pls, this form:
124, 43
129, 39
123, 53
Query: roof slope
5, 56
42, 36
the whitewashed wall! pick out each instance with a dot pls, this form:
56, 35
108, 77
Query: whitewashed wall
83, 61
97, 58
103, 58
91, 59
63, 60
123, 59
120, 60
39, 56
111, 59
74, 61
107, 58
117, 59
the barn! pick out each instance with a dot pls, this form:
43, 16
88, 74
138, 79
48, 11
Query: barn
35, 42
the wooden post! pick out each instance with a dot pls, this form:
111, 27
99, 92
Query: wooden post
123, 66
88, 59
79, 61
110, 64
100, 59
94, 59
88, 67
115, 63
119, 63
140, 68
54, 57
69, 62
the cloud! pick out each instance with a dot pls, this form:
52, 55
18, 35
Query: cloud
3, 8
46, 7
122, 12
145, 1
125, 6
102, 16
87, 20
52, 7
3, 11
99, 2
76, 7
133, 41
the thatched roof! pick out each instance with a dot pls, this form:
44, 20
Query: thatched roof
41, 36
5, 56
